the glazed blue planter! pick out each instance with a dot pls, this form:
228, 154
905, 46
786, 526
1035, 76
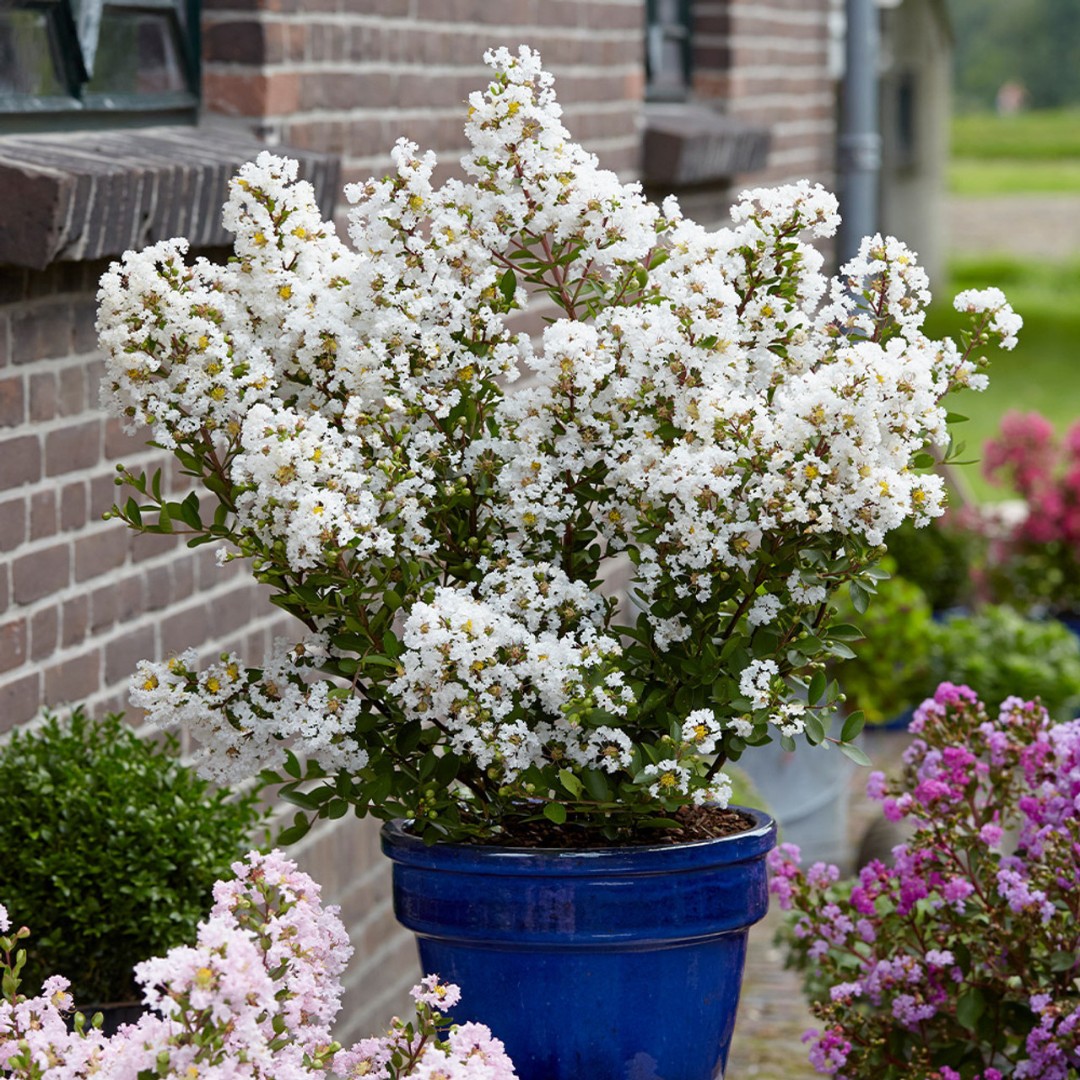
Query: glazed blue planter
608, 964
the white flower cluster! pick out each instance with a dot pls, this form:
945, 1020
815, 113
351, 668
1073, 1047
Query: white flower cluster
707, 400
243, 719
482, 666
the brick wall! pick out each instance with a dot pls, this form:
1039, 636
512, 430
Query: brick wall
350, 76
767, 62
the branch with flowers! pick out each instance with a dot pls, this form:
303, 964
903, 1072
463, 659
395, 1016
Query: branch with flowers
253, 998
959, 961
706, 409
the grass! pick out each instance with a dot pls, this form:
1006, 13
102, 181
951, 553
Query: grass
1030, 153
1041, 373
1010, 176
1048, 134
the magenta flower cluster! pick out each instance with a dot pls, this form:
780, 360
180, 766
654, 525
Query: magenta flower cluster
961, 959
1045, 472
253, 999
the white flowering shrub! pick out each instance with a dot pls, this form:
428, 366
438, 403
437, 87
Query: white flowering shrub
705, 408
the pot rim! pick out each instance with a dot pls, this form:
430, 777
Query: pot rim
752, 843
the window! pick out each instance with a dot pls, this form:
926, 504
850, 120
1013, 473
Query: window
667, 50
109, 62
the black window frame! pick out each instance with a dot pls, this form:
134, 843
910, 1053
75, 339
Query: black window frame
72, 30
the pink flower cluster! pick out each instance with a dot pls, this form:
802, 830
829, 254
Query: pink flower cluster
253, 999
960, 960
1045, 473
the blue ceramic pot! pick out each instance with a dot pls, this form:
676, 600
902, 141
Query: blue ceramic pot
609, 964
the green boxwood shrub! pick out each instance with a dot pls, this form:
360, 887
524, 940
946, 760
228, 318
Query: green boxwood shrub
110, 849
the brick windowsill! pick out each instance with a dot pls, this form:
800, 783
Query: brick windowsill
689, 144
78, 196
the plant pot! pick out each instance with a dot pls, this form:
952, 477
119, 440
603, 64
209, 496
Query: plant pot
807, 791
608, 964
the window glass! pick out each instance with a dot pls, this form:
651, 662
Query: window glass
138, 52
27, 57
111, 62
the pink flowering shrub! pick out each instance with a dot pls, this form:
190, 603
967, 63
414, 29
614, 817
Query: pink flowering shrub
959, 961
253, 998
1035, 560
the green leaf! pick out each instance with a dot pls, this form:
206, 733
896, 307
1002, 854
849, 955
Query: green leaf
508, 284
296, 831
955, 418
817, 687
555, 812
969, 1007
860, 598
570, 782
853, 725
845, 632
855, 753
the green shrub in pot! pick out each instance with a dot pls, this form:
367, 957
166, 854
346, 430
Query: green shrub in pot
112, 846
998, 652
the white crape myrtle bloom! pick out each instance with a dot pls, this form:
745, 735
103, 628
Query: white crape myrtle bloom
756, 682
701, 731
479, 666
741, 430
1005, 321
244, 720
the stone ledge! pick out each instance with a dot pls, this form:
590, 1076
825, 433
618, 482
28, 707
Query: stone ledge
76, 196
686, 145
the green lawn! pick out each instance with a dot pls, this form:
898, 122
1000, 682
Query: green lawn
1034, 152
1042, 373
1044, 135
1013, 176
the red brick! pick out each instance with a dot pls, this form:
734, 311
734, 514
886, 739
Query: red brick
43, 397
13, 638
41, 332
129, 598
187, 628
243, 94
41, 574
75, 620
20, 461
120, 445
12, 524
42, 514
158, 583
238, 42
104, 493
72, 391
12, 402
123, 654
97, 554
102, 608
44, 633
73, 448
20, 700
73, 680
73, 506
151, 545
